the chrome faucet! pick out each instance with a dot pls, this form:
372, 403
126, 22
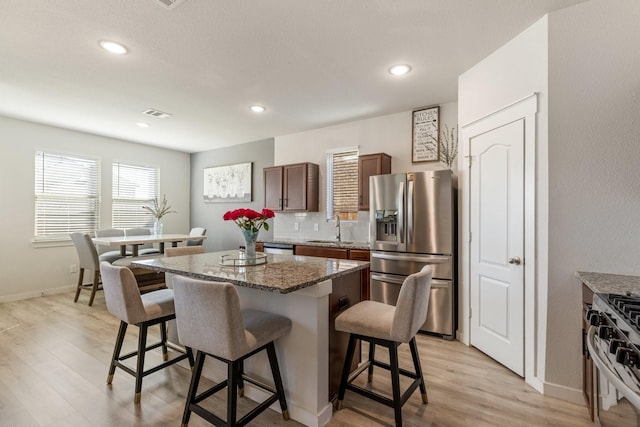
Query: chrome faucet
338, 228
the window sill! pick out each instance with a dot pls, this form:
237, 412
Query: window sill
52, 243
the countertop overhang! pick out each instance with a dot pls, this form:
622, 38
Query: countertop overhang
281, 273
604, 283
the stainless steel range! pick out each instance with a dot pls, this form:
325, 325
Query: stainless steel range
613, 341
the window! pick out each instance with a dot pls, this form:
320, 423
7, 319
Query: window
67, 195
342, 184
133, 187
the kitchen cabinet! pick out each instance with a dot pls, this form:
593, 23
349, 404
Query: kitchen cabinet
370, 165
292, 188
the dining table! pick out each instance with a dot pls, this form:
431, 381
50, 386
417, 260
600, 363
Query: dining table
136, 241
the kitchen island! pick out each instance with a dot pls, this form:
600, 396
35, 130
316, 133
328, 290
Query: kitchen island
294, 286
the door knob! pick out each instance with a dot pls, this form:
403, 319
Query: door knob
515, 260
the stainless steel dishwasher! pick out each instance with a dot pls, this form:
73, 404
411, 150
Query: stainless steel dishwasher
277, 248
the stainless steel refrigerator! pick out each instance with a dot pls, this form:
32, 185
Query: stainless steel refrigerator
412, 224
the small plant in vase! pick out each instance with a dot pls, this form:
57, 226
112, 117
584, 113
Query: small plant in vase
158, 210
448, 145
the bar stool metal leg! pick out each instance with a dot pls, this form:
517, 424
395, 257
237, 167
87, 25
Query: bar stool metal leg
345, 370
395, 383
416, 363
193, 387
163, 338
277, 379
142, 344
372, 355
116, 351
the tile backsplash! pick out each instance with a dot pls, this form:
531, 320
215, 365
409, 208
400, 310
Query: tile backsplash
302, 226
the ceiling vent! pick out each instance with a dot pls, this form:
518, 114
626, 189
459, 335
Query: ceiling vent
170, 4
156, 113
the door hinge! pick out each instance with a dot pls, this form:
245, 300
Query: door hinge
470, 312
469, 237
470, 160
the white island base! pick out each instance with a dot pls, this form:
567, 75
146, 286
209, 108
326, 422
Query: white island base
303, 354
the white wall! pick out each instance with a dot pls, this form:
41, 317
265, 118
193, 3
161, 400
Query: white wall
29, 271
514, 71
594, 158
389, 134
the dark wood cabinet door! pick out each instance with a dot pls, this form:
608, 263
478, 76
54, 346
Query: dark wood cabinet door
295, 187
318, 251
273, 188
370, 165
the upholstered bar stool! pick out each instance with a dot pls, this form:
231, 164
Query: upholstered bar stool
88, 259
125, 302
388, 326
196, 232
147, 248
210, 321
105, 253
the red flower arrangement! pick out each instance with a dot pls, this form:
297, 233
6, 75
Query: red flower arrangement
248, 219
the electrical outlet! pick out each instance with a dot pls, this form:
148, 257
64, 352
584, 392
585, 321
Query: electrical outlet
315, 227
296, 226
73, 268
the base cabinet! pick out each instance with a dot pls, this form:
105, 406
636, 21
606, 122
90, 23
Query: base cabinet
587, 363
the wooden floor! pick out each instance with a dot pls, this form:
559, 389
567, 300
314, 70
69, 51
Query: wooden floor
54, 357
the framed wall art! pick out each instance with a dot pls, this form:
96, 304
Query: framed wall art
424, 135
231, 183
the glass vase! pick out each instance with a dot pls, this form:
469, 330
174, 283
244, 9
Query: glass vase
157, 228
250, 238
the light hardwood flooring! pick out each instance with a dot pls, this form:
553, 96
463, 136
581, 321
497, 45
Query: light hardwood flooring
54, 357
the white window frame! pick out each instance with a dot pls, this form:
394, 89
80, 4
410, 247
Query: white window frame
62, 193
330, 182
128, 198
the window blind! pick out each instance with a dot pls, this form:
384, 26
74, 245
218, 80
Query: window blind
133, 187
342, 184
67, 195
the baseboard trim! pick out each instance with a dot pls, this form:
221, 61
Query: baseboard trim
36, 294
564, 393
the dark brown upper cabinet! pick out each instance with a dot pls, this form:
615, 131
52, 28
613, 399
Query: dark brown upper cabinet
370, 165
292, 188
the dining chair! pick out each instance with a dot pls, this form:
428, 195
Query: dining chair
104, 252
388, 326
126, 303
196, 231
211, 321
147, 248
88, 259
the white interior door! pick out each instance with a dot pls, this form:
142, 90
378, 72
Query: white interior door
497, 243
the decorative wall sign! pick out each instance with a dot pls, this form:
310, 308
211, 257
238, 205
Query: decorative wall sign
231, 183
425, 131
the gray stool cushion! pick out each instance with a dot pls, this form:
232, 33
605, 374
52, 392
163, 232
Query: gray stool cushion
399, 323
209, 319
124, 300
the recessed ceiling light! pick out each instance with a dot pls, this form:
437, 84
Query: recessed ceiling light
113, 47
399, 70
257, 108
142, 124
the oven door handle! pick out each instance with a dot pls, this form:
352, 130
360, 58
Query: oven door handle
623, 388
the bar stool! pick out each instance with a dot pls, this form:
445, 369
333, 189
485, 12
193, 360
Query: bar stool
88, 259
210, 321
125, 302
388, 326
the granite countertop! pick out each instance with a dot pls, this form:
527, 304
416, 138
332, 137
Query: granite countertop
322, 243
281, 273
604, 283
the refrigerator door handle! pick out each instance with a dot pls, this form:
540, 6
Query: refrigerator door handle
428, 259
410, 236
401, 212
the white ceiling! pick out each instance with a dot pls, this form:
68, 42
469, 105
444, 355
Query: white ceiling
311, 63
